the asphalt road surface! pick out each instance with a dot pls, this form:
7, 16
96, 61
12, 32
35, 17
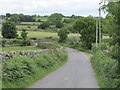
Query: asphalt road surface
76, 73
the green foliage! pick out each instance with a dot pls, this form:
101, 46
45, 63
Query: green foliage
39, 20
14, 18
107, 25
59, 24
114, 53
63, 34
71, 20
9, 30
24, 36
86, 27
55, 18
20, 72
8, 15
106, 70
44, 25
114, 11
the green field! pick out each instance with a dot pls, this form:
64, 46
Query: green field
30, 27
18, 48
30, 23
43, 19
38, 34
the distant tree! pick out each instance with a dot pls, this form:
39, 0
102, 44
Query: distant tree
26, 18
14, 18
24, 34
56, 17
9, 30
59, 24
73, 16
8, 14
39, 20
71, 20
44, 25
86, 28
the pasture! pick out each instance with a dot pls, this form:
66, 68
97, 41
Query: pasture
39, 34
19, 48
30, 27
43, 19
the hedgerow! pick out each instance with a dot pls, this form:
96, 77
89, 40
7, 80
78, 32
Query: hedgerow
106, 71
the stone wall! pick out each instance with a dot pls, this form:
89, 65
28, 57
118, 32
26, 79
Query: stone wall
30, 53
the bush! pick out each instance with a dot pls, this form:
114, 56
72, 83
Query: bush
19, 72
106, 70
9, 30
44, 25
63, 34
59, 24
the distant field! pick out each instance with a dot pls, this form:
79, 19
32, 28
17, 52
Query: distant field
30, 23
32, 27
105, 37
18, 48
38, 34
43, 19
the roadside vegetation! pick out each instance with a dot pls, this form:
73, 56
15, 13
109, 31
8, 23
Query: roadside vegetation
21, 72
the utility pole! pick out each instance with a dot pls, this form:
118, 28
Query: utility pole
100, 35
96, 32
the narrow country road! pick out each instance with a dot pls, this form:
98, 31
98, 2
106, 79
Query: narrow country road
76, 73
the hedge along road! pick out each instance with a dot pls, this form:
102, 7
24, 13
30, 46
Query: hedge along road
76, 73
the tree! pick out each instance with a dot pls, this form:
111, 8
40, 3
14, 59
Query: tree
8, 15
59, 24
56, 17
44, 25
24, 37
63, 34
86, 27
14, 18
114, 10
9, 30
26, 18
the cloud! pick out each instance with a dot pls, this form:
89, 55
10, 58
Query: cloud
42, 7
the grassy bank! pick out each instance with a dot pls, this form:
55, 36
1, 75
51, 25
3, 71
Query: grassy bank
106, 71
21, 72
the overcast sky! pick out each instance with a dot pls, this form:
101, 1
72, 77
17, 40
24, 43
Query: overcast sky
47, 7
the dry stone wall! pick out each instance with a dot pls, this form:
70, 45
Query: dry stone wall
31, 53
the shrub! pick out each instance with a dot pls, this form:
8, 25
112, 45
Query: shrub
63, 34
59, 24
24, 34
44, 25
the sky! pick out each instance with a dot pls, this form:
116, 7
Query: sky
47, 7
